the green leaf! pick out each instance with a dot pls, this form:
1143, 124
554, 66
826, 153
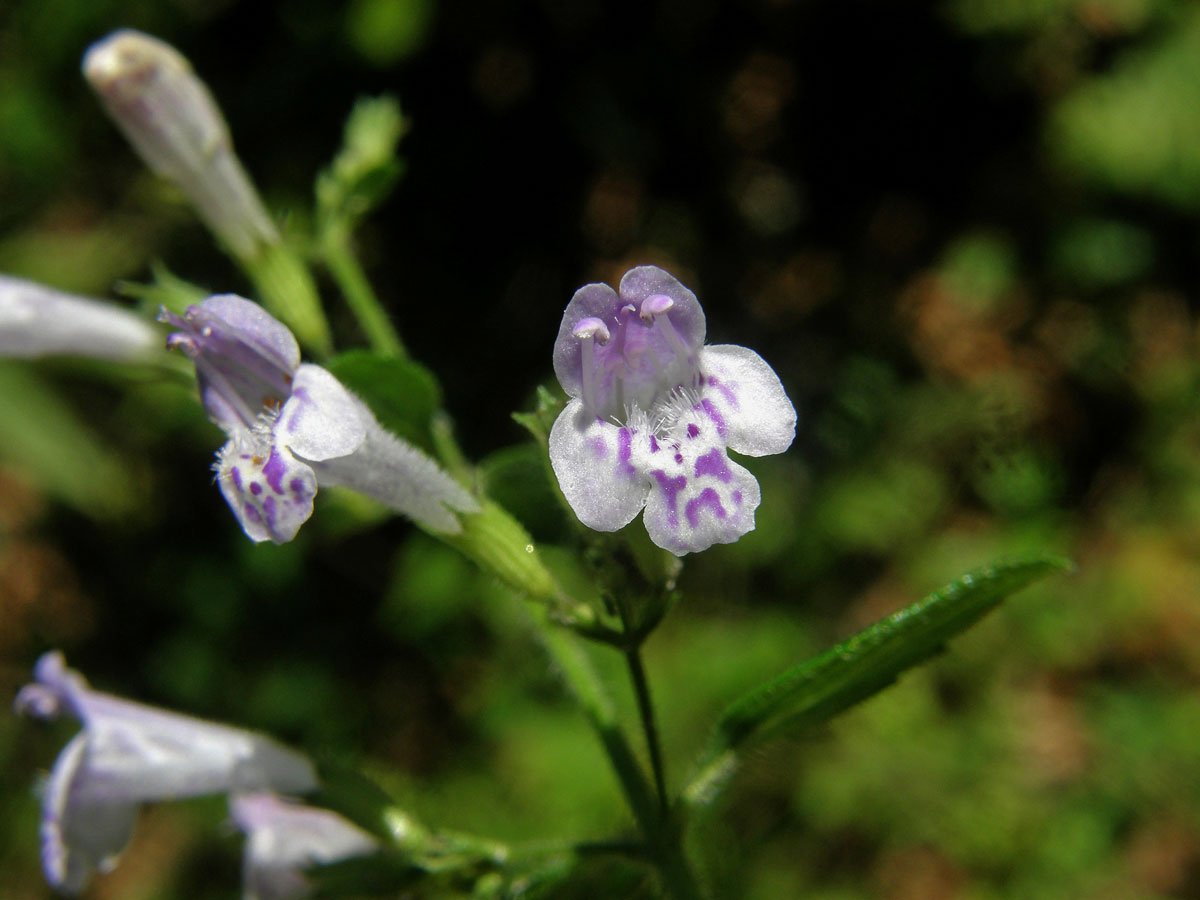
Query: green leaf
817, 690
47, 442
403, 394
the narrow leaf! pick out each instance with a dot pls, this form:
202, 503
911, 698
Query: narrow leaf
817, 690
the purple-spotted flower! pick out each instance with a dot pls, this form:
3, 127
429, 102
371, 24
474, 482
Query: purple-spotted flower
283, 838
128, 754
653, 412
293, 425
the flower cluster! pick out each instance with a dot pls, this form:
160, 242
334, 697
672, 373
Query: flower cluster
128, 754
653, 412
293, 425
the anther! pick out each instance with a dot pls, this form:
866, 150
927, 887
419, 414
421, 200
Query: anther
655, 305
592, 327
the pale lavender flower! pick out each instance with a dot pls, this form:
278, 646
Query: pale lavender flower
293, 425
654, 411
39, 321
128, 754
283, 838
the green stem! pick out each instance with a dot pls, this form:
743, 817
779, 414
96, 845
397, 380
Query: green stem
660, 832
348, 274
286, 288
641, 689
584, 683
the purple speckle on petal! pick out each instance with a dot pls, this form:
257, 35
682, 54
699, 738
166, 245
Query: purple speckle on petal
298, 409
693, 430
237, 478
713, 414
599, 447
679, 458
671, 487
251, 513
255, 488
269, 510
275, 469
713, 463
730, 396
737, 498
297, 486
625, 451
653, 444
708, 497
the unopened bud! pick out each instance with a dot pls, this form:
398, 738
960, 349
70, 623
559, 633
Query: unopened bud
171, 119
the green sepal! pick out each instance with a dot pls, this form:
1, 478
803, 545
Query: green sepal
817, 690
403, 394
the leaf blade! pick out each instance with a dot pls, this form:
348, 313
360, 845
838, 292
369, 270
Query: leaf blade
818, 689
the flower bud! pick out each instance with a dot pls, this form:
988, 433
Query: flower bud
171, 119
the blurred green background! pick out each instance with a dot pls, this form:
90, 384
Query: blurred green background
964, 233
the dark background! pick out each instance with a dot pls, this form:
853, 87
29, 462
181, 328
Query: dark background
964, 234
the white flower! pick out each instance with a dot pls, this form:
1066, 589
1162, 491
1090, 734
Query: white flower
38, 321
654, 411
283, 838
293, 425
128, 754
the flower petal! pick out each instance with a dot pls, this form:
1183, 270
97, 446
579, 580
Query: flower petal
592, 460
397, 474
80, 836
235, 320
643, 282
322, 419
38, 321
597, 301
284, 838
269, 490
745, 396
700, 496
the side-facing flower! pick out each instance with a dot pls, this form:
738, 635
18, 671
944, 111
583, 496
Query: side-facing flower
39, 321
293, 425
653, 412
283, 838
128, 754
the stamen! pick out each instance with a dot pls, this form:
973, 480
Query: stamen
667, 329
591, 327
588, 331
655, 305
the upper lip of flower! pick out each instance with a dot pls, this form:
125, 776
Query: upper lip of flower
617, 350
